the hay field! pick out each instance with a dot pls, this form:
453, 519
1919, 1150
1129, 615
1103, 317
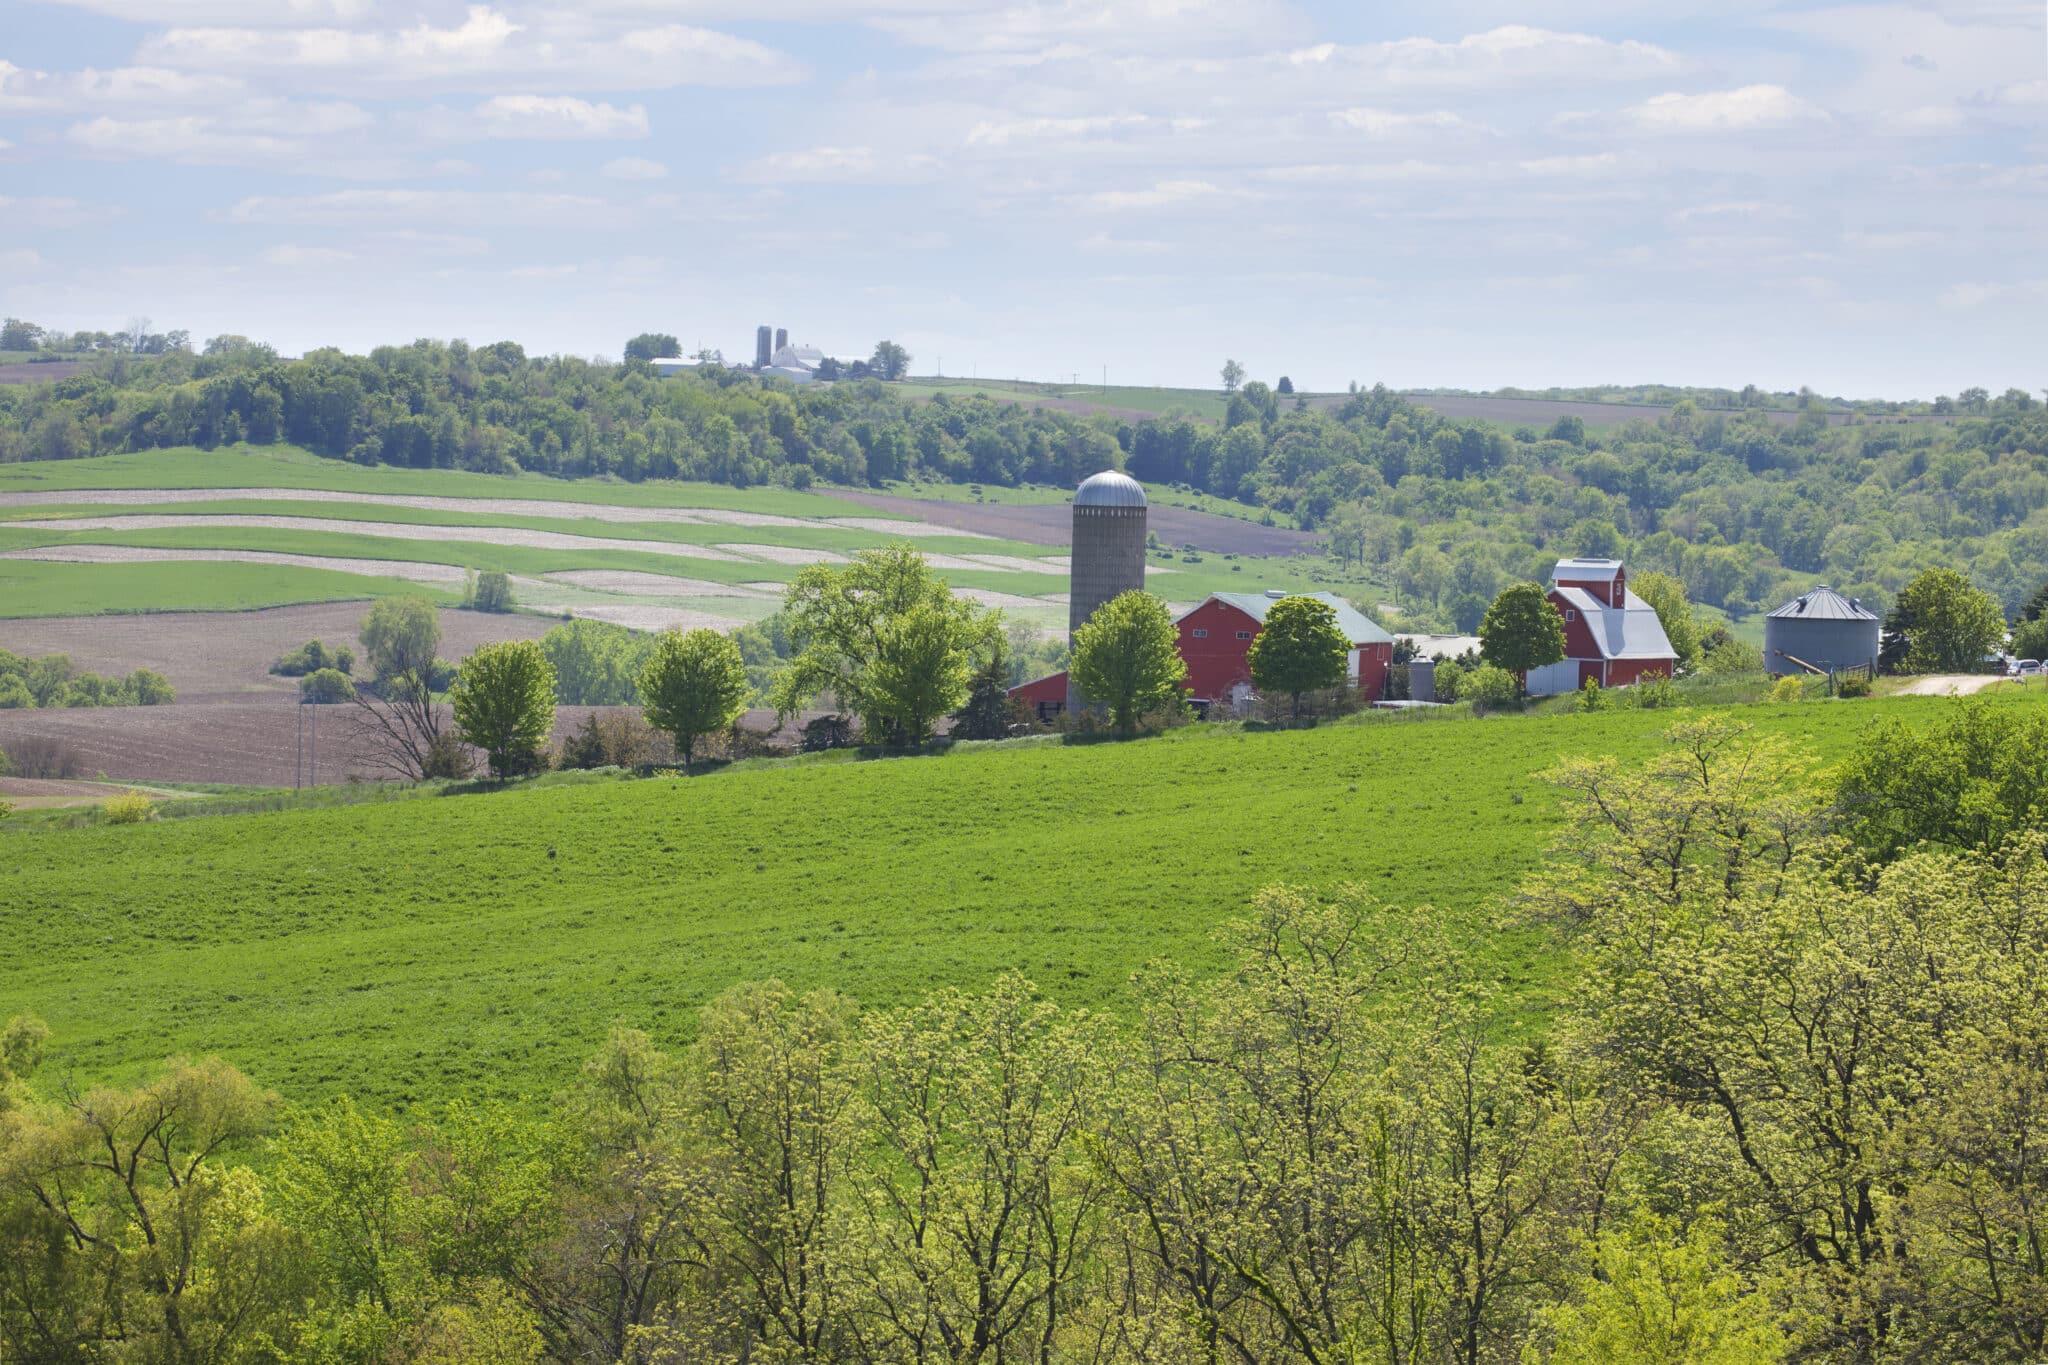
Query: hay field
407, 951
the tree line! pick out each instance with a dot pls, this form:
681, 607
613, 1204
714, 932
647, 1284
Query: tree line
1746, 512
1787, 1113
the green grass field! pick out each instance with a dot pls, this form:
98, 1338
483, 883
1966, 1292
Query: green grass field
30, 588
1205, 404
405, 950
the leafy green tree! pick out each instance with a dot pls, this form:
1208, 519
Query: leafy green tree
149, 688
694, 685
504, 704
490, 590
1522, 630
400, 636
1488, 685
1285, 386
2029, 640
14, 693
1954, 625
1127, 657
653, 346
49, 677
1659, 1298
1299, 649
853, 633
890, 361
1666, 596
326, 686
1971, 780
596, 663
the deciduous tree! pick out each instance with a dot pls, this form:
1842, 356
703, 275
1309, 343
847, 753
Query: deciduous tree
694, 685
1127, 657
505, 703
1953, 625
1521, 631
1299, 649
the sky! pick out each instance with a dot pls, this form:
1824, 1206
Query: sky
1460, 193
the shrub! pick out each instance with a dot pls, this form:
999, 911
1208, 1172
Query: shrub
149, 688
326, 686
447, 757
614, 739
129, 808
1852, 685
41, 756
1592, 697
830, 732
311, 657
490, 591
1732, 656
14, 694
1789, 688
1489, 688
6, 764
1655, 694
1450, 680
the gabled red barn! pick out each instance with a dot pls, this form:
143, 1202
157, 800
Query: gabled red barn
1216, 640
1610, 635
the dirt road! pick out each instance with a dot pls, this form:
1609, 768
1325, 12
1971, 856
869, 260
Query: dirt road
1950, 684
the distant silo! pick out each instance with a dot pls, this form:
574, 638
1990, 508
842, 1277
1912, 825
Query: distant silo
1821, 628
763, 351
781, 337
1109, 547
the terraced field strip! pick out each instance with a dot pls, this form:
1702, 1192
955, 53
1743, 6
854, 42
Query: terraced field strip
392, 530
436, 575
483, 507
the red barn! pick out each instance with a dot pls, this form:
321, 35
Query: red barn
1610, 635
1216, 638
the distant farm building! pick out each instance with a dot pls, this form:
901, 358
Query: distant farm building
1611, 635
1216, 641
1820, 632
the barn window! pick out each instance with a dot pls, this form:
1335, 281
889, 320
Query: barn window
1570, 616
1244, 635
1200, 634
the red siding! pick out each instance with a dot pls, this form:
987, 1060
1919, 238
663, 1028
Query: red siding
1216, 663
1579, 646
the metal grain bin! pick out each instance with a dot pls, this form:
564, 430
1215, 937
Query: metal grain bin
1821, 628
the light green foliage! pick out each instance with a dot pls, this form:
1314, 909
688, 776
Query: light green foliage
1971, 780
1592, 697
504, 703
490, 590
1852, 685
1488, 686
1521, 631
400, 636
866, 632
693, 685
48, 677
1791, 687
129, 808
326, 686
1654, 693
1450, 680
2030, 639
14, 694
1298, 649
1732, 656
596, 663
1666, 595
1127, 658
1655, 1297
1954, 625
149, 688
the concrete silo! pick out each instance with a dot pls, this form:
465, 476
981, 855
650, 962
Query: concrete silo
1109, 548
1822, 628
763, 337
781, 337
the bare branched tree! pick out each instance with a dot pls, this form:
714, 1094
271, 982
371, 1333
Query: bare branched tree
396, 734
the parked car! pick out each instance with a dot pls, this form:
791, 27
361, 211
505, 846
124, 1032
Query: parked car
2030, 668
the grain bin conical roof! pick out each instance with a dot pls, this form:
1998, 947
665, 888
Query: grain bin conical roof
1823, 604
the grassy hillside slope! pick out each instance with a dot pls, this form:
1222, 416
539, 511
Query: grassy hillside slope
404, 950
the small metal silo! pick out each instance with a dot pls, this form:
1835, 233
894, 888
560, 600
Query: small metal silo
1821, 628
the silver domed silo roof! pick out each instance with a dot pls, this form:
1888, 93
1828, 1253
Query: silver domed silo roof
1109, 489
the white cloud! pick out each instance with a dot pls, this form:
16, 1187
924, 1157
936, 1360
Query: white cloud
1158, 196
1513, 54
29, 91
305, 257
1383, 123
21, 259
839, 165
1597, 163
258, 131
1751, 108
385, 208
1966, 296
278, 12
1004, 132
487, 48
549, 117
634, 168
1039, 26
1904, 240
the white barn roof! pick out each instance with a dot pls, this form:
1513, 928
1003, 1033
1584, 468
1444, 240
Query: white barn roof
1630, 631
